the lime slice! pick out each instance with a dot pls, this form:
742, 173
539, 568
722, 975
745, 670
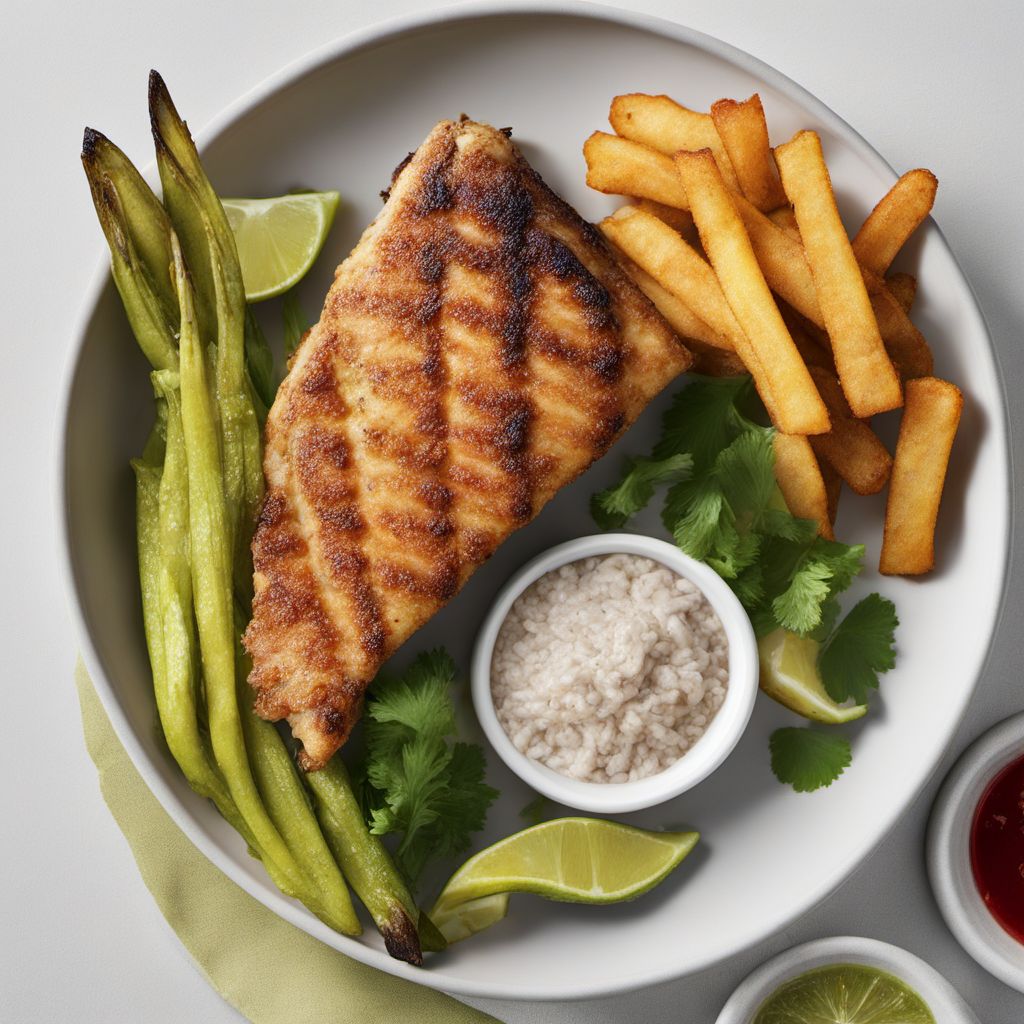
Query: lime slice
789, 674
279, 238
460, 920
844, 994
576, 860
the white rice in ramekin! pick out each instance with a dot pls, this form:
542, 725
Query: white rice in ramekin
609, 669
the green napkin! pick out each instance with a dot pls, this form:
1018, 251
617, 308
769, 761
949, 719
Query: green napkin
231, 936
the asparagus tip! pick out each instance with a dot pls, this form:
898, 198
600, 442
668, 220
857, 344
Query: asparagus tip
157, 88
161, 106
401, 939
91, 141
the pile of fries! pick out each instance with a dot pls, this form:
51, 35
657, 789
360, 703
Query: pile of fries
741, 248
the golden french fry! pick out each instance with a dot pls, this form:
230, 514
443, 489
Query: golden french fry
676, 219
905, 344
931, 415
712, 355
785, 218
833, 488
904, 289
744, 133
851, 447
798, 409
625, 168
660, 252
788, 274
682, 319
894, 220
677, 267
782, 261
785, 267
667, 126
868, 378
800, 479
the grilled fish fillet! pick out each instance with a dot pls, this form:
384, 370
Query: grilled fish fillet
477, 351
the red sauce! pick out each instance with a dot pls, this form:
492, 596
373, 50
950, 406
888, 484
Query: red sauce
997, 848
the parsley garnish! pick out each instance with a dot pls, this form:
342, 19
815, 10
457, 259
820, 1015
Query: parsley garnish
808, 759
421, 784
860, 647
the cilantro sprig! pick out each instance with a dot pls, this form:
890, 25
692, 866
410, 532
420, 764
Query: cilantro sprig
724, 508
808, 759
860, 647
421, 783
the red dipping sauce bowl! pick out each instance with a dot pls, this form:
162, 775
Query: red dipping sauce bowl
997, 848
975, 851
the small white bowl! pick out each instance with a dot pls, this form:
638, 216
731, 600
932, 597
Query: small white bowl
702, 758
949, 854
946, 1004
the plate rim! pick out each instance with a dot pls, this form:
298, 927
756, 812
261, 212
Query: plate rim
342, 47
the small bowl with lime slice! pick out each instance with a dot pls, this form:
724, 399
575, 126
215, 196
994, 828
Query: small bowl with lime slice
856, 980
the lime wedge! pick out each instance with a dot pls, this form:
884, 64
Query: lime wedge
460, 920
789, 674
844, 994
576, 860
278, 239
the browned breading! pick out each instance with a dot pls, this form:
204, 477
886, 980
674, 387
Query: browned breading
478, 349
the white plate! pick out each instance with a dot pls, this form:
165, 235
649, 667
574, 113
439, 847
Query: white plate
342, 118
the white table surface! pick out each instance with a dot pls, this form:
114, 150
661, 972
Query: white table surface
929, 82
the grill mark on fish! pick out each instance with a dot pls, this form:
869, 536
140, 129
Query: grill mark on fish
330, 489
436, 192
434, 534
508, 209
411, 453
439, 583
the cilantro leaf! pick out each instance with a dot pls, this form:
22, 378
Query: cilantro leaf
748, 586
860, 647
745, 472
762, 619
777, 522
458, 809
700, 520
808, 759
714, 518
798, 607
704, 417
829, 614
419, 783
813, 574
613, 507
411, 784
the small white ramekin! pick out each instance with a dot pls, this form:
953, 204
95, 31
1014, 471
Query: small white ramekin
946, 1004
949, 852
702, 758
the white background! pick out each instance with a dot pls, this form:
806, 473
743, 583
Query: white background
930, 82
